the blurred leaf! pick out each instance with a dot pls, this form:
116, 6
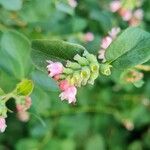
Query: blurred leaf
137, 145
25, 87
41, 101
56, 50
95, 142
7, 82
16, 49
65, 8
1, 92
27, 144
44, 81
13, 5
78, 24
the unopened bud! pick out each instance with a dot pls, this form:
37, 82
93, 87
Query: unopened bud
73, 65
105, 69
85, 75
90, 57
81, 60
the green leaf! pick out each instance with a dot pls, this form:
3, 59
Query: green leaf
44, 81
24, 144
15, 48
24, 88
131, 48
54, 50
96, 142
132, 39
13, 5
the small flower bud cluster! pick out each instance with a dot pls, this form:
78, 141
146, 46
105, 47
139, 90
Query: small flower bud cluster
106, 41
3, 115
133, 76
133, 17
22, 105
83, 70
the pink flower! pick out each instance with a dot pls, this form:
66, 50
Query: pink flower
114, 32
126, 14
106, 42
138, 14
63, 85
115, 5
89, 36
54, 68
72, 3
2, 124
69, 94
25, 106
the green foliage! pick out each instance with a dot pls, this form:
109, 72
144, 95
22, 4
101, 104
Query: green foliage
14, 5
108, 115
15, 48
24, 88
43, 50
129, 49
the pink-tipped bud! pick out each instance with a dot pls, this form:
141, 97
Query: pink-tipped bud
89, 36
106, 42
54, 68
115, 5
114, 32
126, 14
56, 77
69, 94
64, 85
2, 124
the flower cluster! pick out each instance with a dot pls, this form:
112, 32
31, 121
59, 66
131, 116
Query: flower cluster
22, 105
84, 69
133, 76
106, 41
133, 17
3, 115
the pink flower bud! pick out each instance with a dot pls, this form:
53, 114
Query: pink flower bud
101, 54
54, 68
114, 32
125, 14
56, 77
69, 94
72, 3
2, 124
115, 5
106, 42
23, 116
28, 102
64, 85
138, 14
89, 36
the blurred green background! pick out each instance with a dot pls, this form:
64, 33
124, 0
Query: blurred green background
107, 116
